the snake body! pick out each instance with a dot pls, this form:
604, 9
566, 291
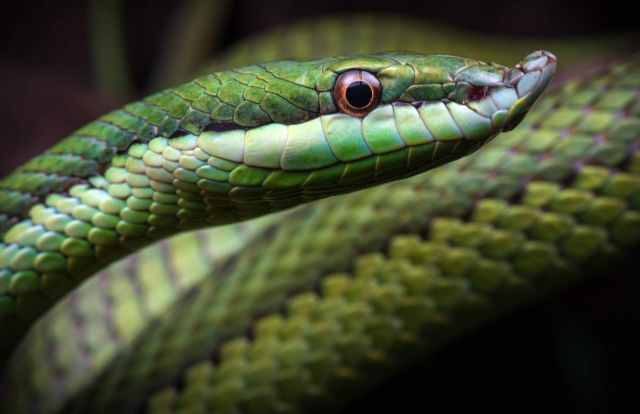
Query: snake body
441, 252
235, 145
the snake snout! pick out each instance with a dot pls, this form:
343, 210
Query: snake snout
537, 69
529, 78
539, 60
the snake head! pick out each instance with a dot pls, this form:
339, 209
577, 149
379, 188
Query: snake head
383, 117
297, 131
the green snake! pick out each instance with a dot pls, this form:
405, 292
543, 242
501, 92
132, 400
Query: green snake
364, 283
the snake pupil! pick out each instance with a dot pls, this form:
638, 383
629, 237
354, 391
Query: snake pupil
359, 94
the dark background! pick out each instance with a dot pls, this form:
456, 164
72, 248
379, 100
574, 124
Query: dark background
576, 352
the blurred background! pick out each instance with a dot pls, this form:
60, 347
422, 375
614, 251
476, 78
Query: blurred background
64, 63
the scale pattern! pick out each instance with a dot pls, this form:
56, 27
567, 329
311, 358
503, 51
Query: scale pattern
364, 283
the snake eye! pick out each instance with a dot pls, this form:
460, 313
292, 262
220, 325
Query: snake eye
356, 92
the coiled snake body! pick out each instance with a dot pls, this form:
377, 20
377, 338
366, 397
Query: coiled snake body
363, 282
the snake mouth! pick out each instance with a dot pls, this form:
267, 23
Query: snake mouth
514, 122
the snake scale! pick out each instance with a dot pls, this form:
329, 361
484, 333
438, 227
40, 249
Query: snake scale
363, 284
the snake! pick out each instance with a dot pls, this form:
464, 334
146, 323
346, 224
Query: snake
299, 310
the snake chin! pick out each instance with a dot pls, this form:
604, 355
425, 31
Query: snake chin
514, 122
